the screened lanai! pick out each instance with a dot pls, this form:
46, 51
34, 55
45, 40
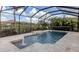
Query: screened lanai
18, 19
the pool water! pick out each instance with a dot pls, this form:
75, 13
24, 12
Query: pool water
43, 38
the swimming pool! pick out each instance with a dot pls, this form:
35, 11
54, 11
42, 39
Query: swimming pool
43, 38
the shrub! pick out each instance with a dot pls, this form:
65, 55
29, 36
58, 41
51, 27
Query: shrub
8, 32
63, 24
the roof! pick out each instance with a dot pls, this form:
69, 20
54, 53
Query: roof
49, 11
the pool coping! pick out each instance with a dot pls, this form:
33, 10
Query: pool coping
17, 41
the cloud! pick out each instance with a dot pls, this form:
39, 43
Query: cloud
3, 8
33, 11
19, 11
27, 19
8, 11
39, 14
70, 16
34, 20
3, 18
6, 14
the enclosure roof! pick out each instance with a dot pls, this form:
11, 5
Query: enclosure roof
41, 11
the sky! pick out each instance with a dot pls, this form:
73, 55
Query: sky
29, 12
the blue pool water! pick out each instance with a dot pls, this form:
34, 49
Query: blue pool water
43, 38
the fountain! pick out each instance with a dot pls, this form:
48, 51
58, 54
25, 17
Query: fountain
23, 43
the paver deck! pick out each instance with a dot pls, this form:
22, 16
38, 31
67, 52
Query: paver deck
69, 43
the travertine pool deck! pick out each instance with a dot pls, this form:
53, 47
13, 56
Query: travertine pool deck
69, 43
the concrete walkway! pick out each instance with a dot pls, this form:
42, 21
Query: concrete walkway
69, 43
